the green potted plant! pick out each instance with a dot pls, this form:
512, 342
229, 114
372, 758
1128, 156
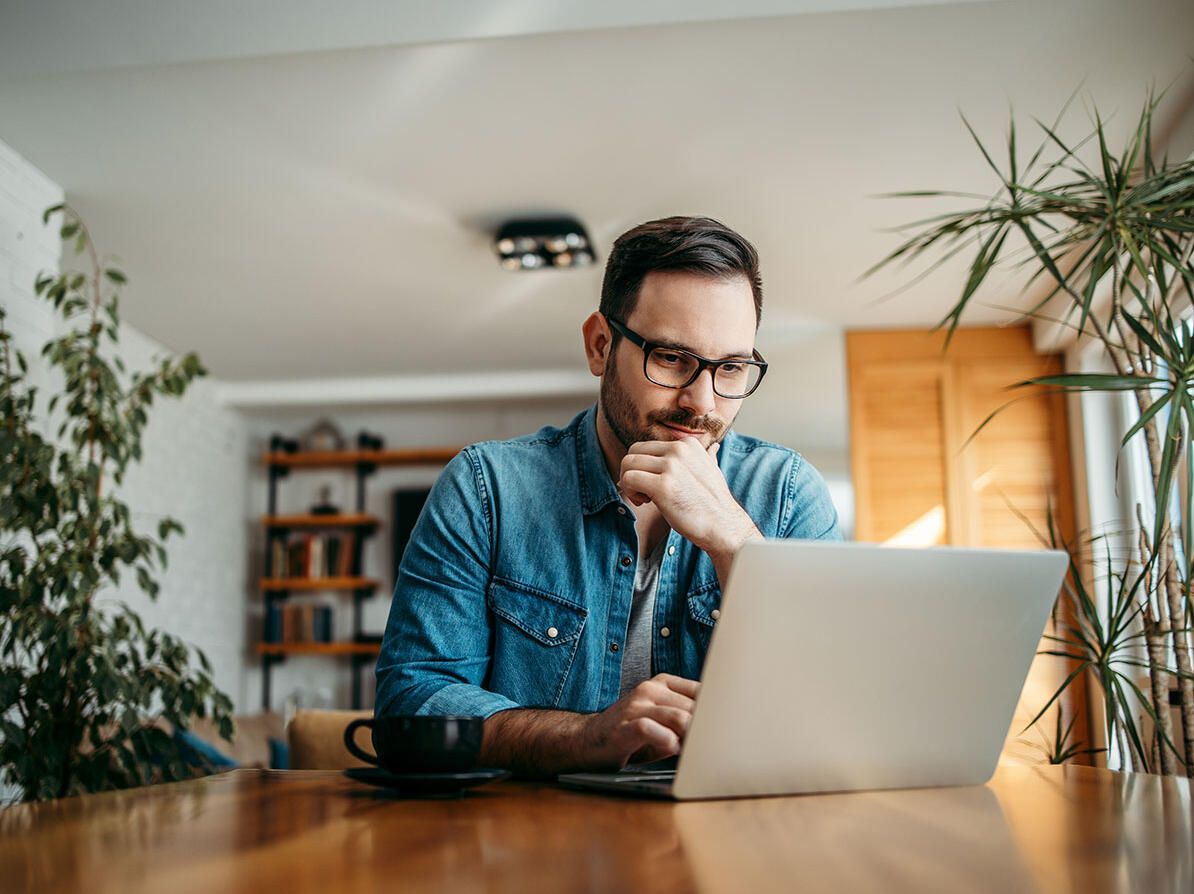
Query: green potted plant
1111, 234
88, 695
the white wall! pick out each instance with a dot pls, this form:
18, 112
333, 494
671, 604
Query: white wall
26, 248
195, 456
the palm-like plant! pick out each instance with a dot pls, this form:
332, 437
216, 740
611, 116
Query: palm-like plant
1112, 238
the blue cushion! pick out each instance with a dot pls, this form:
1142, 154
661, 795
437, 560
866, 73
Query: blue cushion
199, 753
279, 754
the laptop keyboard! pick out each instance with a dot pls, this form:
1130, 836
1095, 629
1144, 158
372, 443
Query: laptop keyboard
645, 776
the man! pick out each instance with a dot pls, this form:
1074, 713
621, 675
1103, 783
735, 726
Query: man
564, 585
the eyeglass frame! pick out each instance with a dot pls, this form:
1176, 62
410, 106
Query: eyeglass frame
703, 363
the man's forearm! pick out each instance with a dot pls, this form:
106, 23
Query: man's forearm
535, 742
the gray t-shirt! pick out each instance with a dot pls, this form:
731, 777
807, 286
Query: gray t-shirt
636, 659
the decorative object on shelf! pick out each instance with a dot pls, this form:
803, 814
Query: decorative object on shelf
322, 436
366, 441
541, 243
1111, 237
279, 444
87, 692
325, 505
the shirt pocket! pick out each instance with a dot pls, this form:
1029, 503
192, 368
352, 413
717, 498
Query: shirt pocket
536, 638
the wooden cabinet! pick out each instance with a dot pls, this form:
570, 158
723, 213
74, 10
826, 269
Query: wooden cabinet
918, 466
923, 477
343, 575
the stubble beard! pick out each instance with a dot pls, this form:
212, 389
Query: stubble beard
622, 416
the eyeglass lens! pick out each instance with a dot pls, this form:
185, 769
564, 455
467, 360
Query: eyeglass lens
674, 370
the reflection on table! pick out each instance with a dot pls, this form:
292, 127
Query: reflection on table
1041, 829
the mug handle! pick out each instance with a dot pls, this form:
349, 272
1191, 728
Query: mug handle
351, 744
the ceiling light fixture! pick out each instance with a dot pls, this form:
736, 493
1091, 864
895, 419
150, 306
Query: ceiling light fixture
542, 243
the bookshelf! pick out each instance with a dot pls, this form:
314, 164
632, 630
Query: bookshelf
316, 583
318, 648
340, 520
321, 552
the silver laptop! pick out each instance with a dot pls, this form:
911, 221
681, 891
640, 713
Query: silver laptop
848, 666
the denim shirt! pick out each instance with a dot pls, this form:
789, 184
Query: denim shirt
516, 585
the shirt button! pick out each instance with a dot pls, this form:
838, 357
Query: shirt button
621, 510
626, 560
613, 647
715, 614
671, 550
665, 632
552, 632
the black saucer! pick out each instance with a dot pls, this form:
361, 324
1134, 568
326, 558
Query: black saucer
426, 784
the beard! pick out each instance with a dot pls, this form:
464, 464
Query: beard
623, 417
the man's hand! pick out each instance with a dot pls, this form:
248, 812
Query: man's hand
684, 482
646, 724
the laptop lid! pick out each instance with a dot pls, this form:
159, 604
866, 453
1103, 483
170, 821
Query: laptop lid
845, 666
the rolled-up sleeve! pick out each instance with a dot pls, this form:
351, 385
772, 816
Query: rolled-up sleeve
435, 655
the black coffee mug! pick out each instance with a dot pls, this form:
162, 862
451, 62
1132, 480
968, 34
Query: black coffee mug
432, 743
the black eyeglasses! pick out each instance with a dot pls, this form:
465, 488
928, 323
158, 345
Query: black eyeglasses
677, 368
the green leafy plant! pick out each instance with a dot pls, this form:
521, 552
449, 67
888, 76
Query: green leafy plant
1110, 236
1060, 749
87, 694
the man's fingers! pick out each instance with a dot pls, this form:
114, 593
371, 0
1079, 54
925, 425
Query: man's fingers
651, 753
675, 719
680, 684
665, 699
654, 732
664, 448
650, 448
643, 483
663, 695
644, 462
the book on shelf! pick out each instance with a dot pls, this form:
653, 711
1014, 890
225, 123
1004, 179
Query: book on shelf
302, 623
313, 556
323, 624
315, 566
277, 557
332, 554
294, 559
272, 632
286, 626
348, 548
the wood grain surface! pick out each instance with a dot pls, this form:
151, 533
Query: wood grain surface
1045, 829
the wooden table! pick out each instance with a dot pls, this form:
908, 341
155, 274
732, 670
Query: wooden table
1046, 829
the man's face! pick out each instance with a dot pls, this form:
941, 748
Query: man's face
710, 317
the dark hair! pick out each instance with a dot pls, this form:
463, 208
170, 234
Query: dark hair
697, 245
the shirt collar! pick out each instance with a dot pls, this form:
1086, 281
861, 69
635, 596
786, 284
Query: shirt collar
597, 489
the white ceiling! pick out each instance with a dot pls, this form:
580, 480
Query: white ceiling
309, 190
